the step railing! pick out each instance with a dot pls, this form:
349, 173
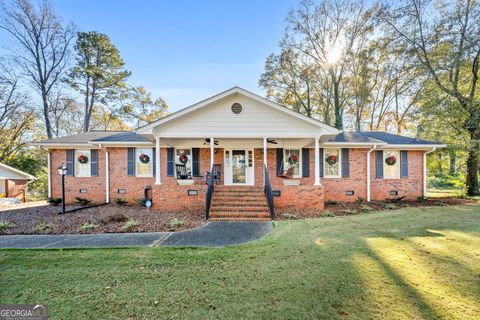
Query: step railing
210, 190
267, 189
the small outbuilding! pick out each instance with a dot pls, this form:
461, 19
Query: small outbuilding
14, 183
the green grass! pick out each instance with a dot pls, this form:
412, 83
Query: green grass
411, 263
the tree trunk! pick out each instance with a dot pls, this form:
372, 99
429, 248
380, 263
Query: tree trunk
48, 126
453, 163
472, 166
336, 101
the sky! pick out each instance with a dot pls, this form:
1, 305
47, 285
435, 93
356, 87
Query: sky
185, 51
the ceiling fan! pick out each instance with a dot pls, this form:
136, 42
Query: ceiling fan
272, 141
207, 142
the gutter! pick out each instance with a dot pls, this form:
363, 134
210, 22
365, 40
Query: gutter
368, 172
425, 170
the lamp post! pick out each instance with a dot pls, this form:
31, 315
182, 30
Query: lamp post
62, 170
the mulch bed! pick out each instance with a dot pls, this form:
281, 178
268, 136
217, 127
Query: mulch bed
333, 209
107, 219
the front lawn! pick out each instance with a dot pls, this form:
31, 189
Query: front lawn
412, 263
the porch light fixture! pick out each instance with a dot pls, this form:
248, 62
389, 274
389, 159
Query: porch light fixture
62, 170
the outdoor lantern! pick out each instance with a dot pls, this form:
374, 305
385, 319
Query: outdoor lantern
62, 169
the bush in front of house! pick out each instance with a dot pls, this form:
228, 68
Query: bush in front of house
42, 225
327, 213
130, 224
120, 201
82, 201
289, 216
54, 201
5, 224
86, 226
175, 223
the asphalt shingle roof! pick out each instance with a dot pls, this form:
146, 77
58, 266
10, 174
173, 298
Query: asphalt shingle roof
377, 137
98, 136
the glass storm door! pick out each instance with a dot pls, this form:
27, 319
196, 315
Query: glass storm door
239, 166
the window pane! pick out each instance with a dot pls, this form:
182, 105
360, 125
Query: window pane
185, 152
82, 169
294, 156
391, 171
332, 169
144, 169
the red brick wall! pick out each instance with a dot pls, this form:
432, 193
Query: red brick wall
170, 196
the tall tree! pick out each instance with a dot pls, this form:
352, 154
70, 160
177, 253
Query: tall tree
99, 72
42, 48
445, 40
139, 108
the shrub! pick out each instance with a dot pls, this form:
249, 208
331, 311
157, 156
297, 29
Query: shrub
331, 202
82, 201
422, 199
4, 224
130, 224
289, 216
174, 223
116, 217
54, 201
365, 208
360, 199
142, 201
441, 203
42, 226
121, 201
349, 211
395, 200
328, 214
390, 207
86, 226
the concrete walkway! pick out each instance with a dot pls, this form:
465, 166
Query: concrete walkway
212, 234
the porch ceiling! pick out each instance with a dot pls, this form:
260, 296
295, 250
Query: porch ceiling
229, 143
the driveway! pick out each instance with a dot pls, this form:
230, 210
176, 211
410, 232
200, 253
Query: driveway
212, 234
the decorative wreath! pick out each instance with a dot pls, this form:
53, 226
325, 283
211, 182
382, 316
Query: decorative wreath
83, 158
332, 159
292, 159
391, 160
144, 158
183, 158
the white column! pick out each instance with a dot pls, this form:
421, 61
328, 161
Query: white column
369, 156
212, 150
317, 162
157, 164
425, 171
107, 177
49, 172
265, 142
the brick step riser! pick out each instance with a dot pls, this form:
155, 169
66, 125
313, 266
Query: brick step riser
238, 209
230, 198
239, 204
240, 219
240, 215
239, 195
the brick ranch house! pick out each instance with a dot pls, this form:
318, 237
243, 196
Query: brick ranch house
14, 183
264, 158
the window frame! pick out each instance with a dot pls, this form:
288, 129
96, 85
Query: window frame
397, 164
285, 161
77, 164
189, 160
137, 162
339, 161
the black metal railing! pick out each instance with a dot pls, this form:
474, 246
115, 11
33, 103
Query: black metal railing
268, 193
211, 183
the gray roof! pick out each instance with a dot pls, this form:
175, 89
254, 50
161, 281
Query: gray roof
377, 137
97, 136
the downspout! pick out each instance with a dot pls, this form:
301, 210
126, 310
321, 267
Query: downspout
425, 170
49, 179
368, 172
107, 177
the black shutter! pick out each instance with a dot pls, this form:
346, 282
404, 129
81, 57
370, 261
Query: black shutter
379, 164
404, 163
196, 162
70, 162
94, 163
321, 162
131, 162
170, 162
305, 162
345, 162
279, 161
154, 161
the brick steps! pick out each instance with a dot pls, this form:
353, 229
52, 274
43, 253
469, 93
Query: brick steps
238, 203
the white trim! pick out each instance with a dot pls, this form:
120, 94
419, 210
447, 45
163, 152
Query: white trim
397, 164
136, 164
212, 152
300, 161
265, 150
26, 175
49, 179
107, 177
425, 170
339, 164
369, 191
158, 180
412, 146
317, 162
235, 90
77, 163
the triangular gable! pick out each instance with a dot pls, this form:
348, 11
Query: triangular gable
7, 172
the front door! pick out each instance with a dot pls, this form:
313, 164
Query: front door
238, 167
